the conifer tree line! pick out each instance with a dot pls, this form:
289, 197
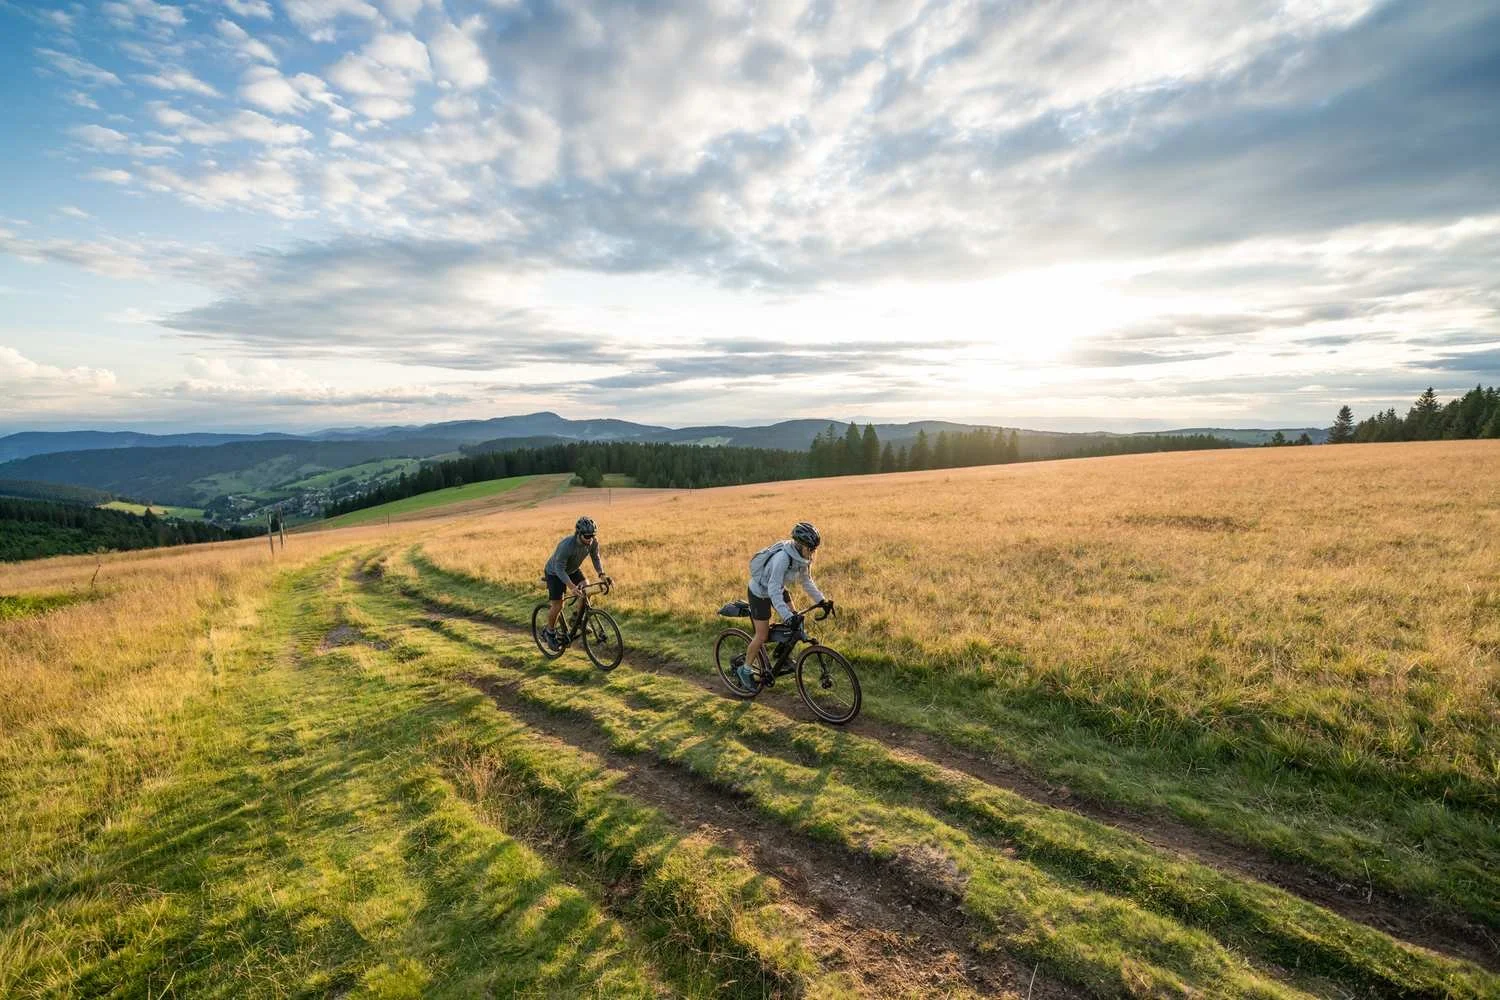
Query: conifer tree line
32, 529
853, 453
1475, 414
688, 466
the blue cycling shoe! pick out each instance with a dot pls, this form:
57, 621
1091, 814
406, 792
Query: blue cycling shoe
747, 678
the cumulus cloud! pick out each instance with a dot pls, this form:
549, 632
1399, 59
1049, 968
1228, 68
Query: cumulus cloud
384, 75
317, 18
455, 50
1292, 189
34, 384
262, 382
242, 125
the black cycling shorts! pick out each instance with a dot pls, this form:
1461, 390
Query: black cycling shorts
760, 607
555, 588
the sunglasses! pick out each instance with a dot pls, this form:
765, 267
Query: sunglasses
587, 538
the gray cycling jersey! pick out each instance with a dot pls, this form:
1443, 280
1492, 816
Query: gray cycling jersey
569, 555
785, 565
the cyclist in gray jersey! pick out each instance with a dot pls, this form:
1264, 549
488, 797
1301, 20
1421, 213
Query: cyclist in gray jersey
562, 570
771, 570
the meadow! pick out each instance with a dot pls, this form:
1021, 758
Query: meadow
429, 501
1198, 724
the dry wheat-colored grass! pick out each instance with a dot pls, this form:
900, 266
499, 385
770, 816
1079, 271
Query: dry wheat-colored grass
1339, 601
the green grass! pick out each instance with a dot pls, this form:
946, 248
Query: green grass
25, 605
161, 510
1363, 835
262, 479
1105, 909
384, 468
426, 501
301, 838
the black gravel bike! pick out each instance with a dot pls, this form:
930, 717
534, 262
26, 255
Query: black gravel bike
825, 679
581, 620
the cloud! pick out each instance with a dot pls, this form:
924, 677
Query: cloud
258, 383
78, 69
265, 183
179, 79
40, 386
75, 212
1485, 364
127, 11
249, 126
253, 48
109, 176
1106, 357
384, 75
458, 56
250, 8
100, 137
317, 17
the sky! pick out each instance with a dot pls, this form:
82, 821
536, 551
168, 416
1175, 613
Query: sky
297, 214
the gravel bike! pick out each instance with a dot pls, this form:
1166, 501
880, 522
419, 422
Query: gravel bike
580, 620
825, 679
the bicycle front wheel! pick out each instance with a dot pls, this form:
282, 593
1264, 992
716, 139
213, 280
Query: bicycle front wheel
601, 640
828, 684
729, 653
539, 622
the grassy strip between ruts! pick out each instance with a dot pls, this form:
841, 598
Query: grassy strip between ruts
1415, 849
304, 841
643, 712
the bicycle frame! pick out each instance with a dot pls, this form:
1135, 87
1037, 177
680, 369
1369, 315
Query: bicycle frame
786, 643
581, 604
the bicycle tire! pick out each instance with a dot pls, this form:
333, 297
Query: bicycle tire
598, 626
539, 622
724, 650
836, 709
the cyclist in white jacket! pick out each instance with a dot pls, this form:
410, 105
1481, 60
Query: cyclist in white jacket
771, 571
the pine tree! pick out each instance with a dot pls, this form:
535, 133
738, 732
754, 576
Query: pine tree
1421, 419
1492, 429
921, 455
1342, 431
851, 452
942, 452
870, 450
1013, 446
887, 458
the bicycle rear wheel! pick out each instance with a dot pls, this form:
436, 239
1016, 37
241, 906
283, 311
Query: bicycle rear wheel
539, 622
729, 652
601, 640
828, 684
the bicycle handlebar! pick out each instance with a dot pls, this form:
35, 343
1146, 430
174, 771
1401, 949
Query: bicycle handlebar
823, 609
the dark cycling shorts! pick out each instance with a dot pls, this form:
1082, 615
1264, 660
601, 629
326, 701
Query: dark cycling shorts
760, 607
555, 588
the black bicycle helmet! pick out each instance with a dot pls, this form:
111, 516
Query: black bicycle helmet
805, 533
586, 526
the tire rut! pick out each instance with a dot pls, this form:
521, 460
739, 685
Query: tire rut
1407, 920
898, 925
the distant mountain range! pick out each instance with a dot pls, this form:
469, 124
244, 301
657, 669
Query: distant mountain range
790, 434
240, 474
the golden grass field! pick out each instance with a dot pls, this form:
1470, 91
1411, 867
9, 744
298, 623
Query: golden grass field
1281, 664
1352, 591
